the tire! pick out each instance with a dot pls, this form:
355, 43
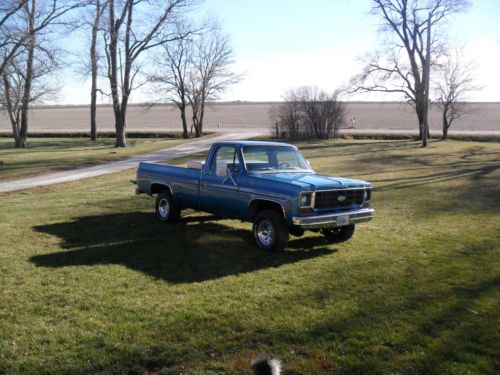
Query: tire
166, 209
338, 235
270, 230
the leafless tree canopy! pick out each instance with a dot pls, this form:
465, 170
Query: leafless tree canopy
27, 54
398, 66
170, 76
455, 80
124, 32
210, 73
194, 71
11, 37
134, 27
309, 113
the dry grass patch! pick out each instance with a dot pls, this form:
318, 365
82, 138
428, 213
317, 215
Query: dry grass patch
53, 154
91, 283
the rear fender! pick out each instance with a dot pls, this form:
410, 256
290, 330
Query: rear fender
158, 186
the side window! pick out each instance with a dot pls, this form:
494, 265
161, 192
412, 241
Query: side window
228, 154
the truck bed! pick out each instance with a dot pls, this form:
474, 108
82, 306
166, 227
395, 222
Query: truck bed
183, 182
170, 171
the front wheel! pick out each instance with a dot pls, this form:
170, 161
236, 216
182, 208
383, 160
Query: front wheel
165, 207
270, 231
338, 235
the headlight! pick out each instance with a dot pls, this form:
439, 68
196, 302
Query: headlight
367, 195
305, 200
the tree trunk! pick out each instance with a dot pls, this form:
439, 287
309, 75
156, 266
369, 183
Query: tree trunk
427, 78
200, 120
121, 140
420, 110
182, 108
196, 126
195, 107
14, 120
184, 122
425, 132
28, 76
93, 61
119, 109
93, 105
424, 126
121, 123
445, 123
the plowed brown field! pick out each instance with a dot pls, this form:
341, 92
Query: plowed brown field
240, 116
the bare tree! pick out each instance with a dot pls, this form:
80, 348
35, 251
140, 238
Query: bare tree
31, 11
455, 81
288, 116
323, 112
13, 89
308, 113
399, 67
134, 27
12, 92
24, 35
99, 9
210, 73
171, 74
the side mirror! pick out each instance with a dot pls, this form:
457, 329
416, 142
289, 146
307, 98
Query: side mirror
221, 168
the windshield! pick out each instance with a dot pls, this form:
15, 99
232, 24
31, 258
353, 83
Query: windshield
273, 158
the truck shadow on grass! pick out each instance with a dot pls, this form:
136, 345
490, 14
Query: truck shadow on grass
198, 248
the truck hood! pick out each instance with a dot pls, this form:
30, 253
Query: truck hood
312, 181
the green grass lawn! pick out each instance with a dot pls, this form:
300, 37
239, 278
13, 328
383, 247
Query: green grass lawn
92, 283
52, 154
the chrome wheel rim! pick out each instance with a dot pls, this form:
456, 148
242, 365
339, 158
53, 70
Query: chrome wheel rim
163, 208
265, 233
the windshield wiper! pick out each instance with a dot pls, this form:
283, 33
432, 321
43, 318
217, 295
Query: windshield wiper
265, 169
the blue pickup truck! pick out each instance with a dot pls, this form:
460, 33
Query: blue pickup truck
267, 183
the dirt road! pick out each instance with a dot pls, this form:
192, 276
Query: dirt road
171, 153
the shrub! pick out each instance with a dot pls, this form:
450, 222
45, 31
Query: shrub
308, 113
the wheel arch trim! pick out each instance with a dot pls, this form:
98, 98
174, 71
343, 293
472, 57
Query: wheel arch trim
267, 201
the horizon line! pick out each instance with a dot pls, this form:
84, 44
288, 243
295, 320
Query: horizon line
236, 102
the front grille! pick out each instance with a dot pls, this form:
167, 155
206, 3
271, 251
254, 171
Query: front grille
330, 199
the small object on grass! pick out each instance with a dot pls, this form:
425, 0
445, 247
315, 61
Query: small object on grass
265, 365
472, 311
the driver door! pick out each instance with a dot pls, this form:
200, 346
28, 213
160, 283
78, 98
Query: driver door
219, 195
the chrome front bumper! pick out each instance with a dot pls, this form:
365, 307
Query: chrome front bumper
330, 220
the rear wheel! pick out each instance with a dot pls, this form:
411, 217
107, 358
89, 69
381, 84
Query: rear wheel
338, 235
165, 207
270, 230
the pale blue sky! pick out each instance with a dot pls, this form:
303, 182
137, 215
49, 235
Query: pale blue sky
282, 44
260, 27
